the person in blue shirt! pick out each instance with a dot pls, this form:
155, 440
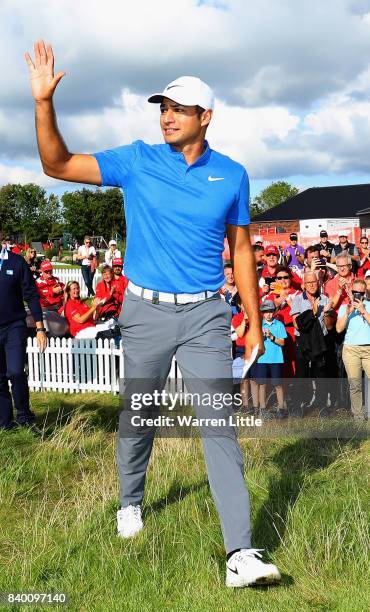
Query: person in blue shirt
270, 365
354, 319
180, 198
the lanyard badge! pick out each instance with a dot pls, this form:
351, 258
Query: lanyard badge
2, 257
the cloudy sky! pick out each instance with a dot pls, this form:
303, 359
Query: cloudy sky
291, 78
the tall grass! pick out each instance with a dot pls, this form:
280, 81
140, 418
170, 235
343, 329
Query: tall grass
59, 496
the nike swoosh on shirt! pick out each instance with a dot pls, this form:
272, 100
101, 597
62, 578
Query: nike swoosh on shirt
216, 178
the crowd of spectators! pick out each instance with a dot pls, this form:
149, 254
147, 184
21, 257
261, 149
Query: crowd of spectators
315, 314
314, 308
65, 314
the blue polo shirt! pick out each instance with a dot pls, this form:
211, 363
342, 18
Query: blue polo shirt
273, 352
358, 330
176, 213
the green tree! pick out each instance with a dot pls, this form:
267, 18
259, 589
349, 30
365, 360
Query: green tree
94, 212
49, 218
271, 196
9, 211
27, 211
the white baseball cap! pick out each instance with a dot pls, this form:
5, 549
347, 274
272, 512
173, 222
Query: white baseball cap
187, 90
111, 242
367, 273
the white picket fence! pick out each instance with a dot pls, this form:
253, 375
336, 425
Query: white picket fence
78, 366
75, 274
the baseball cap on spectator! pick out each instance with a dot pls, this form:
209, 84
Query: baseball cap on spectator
271, 250
117, 261
293, 236
267, 305
342, 235
112, 242
187, 90
46, 265
367, 273
323, 234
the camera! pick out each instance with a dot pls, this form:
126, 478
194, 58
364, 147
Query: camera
322, 264
357, 295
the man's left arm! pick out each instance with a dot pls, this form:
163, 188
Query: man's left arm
245, 275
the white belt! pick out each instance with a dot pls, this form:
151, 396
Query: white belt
173, 298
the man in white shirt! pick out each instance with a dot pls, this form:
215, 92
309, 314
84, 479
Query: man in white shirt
86, 254
112, 253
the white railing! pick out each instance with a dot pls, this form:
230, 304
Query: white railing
74, 366
68, 274
79, 366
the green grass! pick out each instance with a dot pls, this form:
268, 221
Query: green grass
59, 496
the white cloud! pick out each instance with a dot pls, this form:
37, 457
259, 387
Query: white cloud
292, 78
22, 175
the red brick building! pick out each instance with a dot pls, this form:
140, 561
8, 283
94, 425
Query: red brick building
331, 208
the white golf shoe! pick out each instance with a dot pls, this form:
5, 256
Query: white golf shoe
244, 568
129, 521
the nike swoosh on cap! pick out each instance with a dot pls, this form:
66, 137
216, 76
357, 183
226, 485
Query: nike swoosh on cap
216, 178
171, 86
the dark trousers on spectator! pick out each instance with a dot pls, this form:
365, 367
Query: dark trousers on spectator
306, 370
88, 276
13, 342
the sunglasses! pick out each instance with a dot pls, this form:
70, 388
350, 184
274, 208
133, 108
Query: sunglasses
364, 242
283, 277
271, 255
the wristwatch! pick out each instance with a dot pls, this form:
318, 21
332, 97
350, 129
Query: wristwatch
40, 329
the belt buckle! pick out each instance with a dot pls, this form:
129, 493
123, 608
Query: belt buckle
155, 297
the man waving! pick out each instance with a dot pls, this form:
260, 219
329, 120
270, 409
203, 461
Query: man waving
180, 198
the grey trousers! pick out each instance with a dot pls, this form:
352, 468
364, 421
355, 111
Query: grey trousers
199, 336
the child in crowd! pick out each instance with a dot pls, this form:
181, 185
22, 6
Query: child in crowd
270, 365
239, 328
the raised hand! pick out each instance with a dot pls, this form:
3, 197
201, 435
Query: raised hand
328, 306
42, 78
315, 305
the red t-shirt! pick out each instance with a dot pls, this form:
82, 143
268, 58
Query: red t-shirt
112, 306
235, 322
72, 308
120, 284
331, 287
49, 299
366, 266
